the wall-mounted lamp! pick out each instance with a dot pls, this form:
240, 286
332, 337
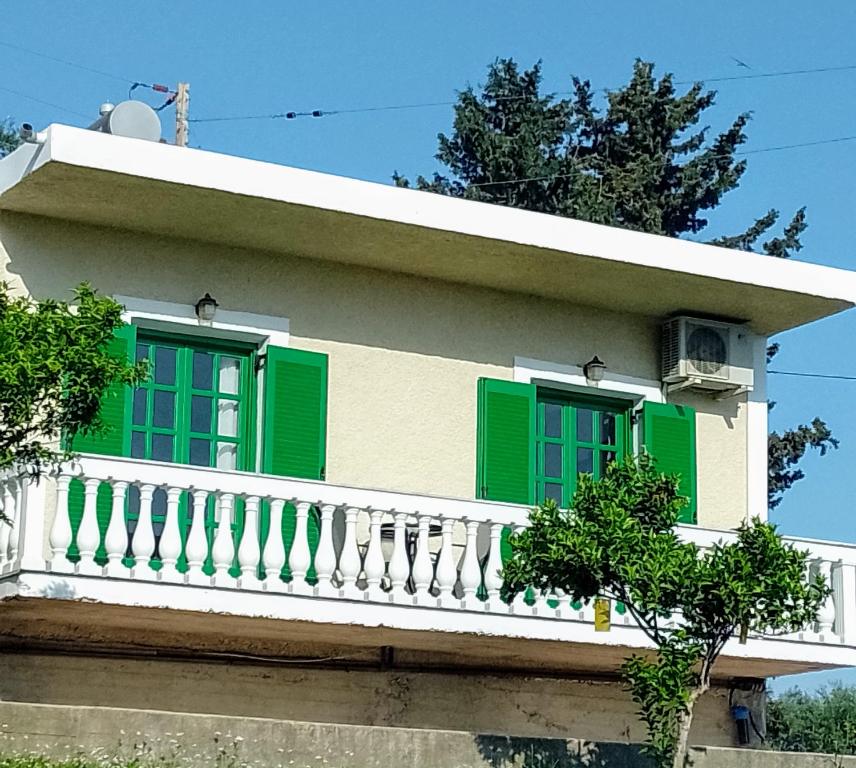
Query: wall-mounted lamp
206, 308
594, 370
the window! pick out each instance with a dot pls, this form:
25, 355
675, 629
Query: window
197, 405
532, 442
576, 435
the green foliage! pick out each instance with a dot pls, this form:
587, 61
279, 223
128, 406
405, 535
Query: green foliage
55, 368
823, 722
638, 161
9, 138
620, 541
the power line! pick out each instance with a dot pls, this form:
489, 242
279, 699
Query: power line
808, 375
84, 68
45, 103
779, 148
291, 115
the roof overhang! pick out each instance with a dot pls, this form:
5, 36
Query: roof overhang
104, 180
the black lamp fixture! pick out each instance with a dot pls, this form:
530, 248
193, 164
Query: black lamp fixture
594, 370
206, 308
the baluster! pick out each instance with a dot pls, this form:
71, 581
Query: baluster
399, 564
274, 554
116, 538
300, 557
17, 518
375, 566
325, 556
470, 570
845, 602
170, 542
143, 543
423, 572
493, 569
223, 550
248, 551
447, 574
519, 604
59, 538
826, 614
6, 525
88, 535
349, 559
196, 547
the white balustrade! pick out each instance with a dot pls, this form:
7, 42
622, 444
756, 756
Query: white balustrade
470, 570
116, 537
143, 541
397, 550
300, 557
88, 535
423, 570
399, 564
223, 550
325, 556
349, 559
274, 555
375, 566
196, 548
8, 547
826, 614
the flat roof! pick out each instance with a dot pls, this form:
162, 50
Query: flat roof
94, 178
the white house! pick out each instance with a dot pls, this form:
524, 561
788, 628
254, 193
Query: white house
302, 514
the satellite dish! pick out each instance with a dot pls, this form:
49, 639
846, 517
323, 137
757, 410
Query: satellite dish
132, 119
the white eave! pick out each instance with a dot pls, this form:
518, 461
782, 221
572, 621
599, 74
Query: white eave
103, 180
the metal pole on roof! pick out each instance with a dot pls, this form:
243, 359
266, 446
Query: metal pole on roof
182, 108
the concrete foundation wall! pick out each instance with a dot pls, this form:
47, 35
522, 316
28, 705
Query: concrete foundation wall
202, 741
517, 705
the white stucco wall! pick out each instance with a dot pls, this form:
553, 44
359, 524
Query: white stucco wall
405, 353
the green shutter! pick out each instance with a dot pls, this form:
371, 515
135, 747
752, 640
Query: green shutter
506, 441
295, 429
668, 434
115, 441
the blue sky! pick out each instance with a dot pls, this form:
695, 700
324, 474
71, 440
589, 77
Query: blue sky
261, 57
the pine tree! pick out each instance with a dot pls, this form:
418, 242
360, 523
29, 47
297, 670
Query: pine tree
641, 161
9, 139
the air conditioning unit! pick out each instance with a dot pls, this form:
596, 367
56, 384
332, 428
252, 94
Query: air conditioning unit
707, 355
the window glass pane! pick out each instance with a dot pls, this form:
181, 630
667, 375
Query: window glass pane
140, 399
133, 505
227, 418
585, 460
200, 452
607, 428
165, 365
138, 445
606, 457
142, 352
553, 491
584, 425
200, 414
230, 375
552, 420
552, 459
158, 511
164, 409
162, 447
227, 456
203, 370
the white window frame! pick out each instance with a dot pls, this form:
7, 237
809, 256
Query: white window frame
572, 379
228, 325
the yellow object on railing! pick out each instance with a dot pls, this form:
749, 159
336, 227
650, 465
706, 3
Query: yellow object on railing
602, 620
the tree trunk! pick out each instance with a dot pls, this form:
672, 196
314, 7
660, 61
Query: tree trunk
683, 741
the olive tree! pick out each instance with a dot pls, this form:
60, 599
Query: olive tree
620, 541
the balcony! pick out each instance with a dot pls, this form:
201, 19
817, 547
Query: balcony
356, 571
